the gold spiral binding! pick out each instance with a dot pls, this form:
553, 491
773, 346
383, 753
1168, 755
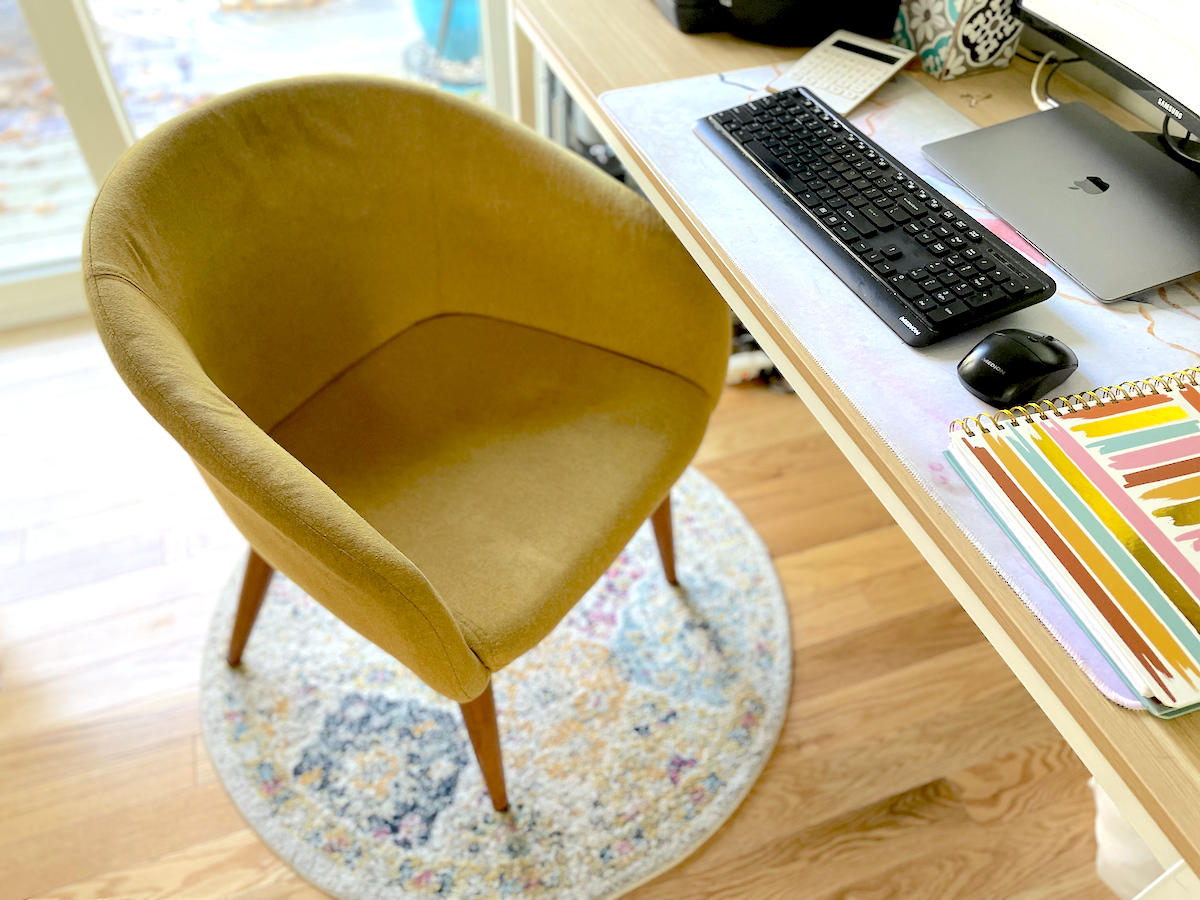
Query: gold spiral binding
1126, 390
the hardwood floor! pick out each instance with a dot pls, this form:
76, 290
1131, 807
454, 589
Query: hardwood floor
912, 764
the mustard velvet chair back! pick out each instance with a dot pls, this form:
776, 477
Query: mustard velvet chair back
249, 262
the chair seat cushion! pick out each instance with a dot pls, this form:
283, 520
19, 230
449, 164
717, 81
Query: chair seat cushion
509, 464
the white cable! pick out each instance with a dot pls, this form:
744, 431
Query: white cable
1039, 102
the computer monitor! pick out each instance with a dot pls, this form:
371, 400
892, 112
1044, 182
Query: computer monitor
1117, 213
1150, 46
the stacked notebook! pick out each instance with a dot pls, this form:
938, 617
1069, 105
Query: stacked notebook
1101, 492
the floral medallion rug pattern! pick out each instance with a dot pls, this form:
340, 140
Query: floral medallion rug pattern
630, 734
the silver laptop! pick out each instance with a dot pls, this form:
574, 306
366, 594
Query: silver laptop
1114, 212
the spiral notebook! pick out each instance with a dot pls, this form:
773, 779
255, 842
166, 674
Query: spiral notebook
1101, 492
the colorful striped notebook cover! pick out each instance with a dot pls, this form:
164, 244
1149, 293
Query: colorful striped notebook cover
1101, 491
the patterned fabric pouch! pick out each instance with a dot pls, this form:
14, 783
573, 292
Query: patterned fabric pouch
958, 37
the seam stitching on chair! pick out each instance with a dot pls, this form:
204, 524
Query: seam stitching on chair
471, 315
94, 277
466, 621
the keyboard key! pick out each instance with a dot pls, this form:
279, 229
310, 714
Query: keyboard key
929, 283
773, 165
937, 248
974, 236
873, 256
861, 223
945, 295
957, 241
924, 238
1013, 289
935, 267
962, 289
947, 278
925, 304
917, 274
943, 313
884, 268
911, 227
912, 208
985, 297
965, 270
891, 251
900, 216
860, 246
907, 287
878, 219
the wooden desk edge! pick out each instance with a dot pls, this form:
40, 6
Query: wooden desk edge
1093, 725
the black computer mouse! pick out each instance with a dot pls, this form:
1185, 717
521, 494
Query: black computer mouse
1014, 366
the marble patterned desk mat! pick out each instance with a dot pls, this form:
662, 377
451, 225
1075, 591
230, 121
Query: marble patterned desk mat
907, 395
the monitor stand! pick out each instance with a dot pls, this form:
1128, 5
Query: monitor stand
1116, 213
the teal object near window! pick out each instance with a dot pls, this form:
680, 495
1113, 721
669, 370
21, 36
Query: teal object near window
462, 31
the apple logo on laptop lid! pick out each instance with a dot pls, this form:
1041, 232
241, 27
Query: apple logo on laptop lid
1093, 184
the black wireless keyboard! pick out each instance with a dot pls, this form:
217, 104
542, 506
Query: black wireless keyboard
918, 261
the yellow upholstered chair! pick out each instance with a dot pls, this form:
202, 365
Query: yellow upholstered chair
435, 368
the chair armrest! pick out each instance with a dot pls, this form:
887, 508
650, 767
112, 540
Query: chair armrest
292, 519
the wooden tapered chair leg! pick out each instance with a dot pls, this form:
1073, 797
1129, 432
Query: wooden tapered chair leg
480, 718
666, 540
254, 588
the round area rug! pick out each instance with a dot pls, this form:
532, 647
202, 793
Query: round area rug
630, 734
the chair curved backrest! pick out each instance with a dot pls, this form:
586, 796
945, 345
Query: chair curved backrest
244, 254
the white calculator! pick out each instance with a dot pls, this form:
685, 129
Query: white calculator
845, 69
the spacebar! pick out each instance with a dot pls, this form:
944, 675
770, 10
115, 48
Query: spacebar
759, 151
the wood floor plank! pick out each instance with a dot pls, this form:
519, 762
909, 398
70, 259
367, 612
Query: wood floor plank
233, 865
157, 672
97, 742
878, 649
1021, 782
1079, 883
93, 644
138, 778
90, 847
946, 682
202, 575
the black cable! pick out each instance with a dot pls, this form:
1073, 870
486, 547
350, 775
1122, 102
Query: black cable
1050, 76
1032, 59
1173, 146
